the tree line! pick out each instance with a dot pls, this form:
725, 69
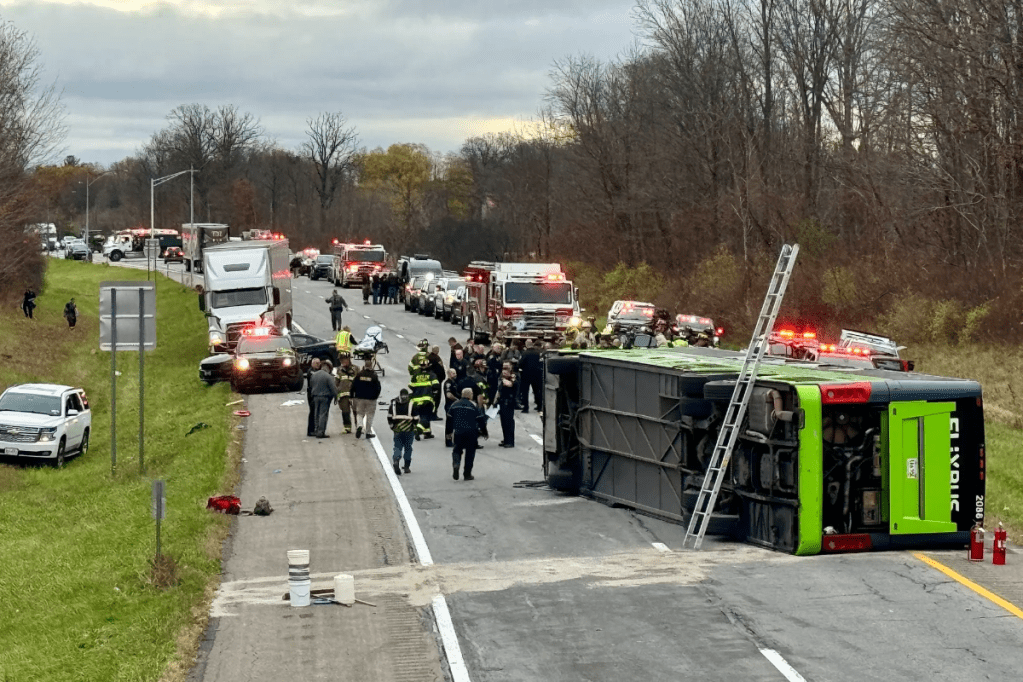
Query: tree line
882, 135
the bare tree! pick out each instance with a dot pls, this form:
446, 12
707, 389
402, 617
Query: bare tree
331, 150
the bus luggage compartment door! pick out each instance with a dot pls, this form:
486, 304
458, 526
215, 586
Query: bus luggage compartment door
919, 470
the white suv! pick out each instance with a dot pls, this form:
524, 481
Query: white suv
44, 420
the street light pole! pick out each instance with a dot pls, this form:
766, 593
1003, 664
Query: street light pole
153, 182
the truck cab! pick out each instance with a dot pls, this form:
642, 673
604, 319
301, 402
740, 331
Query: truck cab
248, 284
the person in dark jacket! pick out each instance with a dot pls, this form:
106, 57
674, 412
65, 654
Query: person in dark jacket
494, 364
403, 423
507, 400
452, 390
337, 306
437, 367
310, 429
531, 375
323, 391
453, 345
459, 363
365, 391
28, 304
367, 289
71, 314
469, 423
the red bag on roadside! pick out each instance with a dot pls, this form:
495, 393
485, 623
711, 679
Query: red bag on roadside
225, 504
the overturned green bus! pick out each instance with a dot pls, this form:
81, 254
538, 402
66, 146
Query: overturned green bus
828, 460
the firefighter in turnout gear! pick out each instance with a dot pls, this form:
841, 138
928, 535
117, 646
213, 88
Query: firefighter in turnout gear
417, 360
344, 375
424, 386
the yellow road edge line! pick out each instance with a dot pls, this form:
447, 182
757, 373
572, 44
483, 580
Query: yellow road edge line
987, 594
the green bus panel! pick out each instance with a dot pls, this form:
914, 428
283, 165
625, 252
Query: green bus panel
919, 465
811, 472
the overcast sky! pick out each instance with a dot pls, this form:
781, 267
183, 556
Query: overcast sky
428, 71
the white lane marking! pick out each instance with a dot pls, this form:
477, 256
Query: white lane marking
309, 292
399, 336
548, 503
383, 326
297, 326
365, 317
537, 438
661, 547
782, 665
418, 540
448, 637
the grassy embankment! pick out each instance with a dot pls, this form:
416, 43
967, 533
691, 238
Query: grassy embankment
999, 369
82, 599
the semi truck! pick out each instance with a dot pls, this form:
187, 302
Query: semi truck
354, 264
128, 244
196, 237
248, 284
827, 460
519, 301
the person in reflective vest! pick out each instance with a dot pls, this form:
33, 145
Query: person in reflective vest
423, 386
344, 340
402, 422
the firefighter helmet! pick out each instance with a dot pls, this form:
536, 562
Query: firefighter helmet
423, 345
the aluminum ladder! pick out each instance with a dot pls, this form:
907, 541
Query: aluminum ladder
729, 434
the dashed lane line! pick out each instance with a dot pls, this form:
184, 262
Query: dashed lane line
537, 438
661, 547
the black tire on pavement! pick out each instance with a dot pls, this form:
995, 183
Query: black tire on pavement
115, 256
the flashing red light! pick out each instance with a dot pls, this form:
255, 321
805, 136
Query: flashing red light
853, 542
333, 241
810, 335
844, 394
352, 267
511, 312
366, 242
256, 331
555, 277
720, 331
648, 312
787, 334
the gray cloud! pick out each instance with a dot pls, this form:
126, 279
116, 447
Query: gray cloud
392, 67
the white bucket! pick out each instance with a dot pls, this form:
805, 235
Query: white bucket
298, 576
344, 589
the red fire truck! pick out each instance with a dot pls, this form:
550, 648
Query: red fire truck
506, 301
356, 263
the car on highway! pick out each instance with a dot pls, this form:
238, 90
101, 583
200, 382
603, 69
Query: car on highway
630, 315
322, 267
308, 347
264, 359
173, 254
76, 249
303, 347
414, 289
449, 293
44, 421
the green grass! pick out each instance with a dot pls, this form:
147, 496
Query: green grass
77, 587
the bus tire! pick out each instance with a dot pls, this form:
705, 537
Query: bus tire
562, 365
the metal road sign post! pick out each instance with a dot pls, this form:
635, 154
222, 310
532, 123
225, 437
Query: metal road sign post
127, 322
159, 509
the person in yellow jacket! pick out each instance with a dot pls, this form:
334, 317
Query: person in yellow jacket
343, 341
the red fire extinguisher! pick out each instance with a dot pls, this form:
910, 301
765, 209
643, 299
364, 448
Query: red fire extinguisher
998, 553
976, 543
